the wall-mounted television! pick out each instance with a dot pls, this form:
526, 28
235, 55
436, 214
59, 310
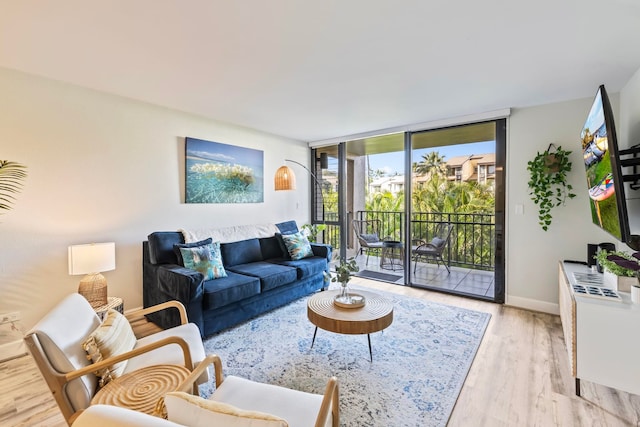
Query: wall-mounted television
605, 182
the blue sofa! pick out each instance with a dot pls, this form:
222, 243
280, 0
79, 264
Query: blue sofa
260, 277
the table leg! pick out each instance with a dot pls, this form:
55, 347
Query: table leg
370, 353
314, 337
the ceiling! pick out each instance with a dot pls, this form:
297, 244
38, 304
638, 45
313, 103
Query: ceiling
315, 70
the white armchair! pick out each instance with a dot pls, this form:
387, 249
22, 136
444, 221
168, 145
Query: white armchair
236, 402
56, 344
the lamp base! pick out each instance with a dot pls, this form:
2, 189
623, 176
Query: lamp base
94, 288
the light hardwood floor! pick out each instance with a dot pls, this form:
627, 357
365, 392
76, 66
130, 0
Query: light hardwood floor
520, 377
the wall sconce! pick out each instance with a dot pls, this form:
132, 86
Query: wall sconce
92, 259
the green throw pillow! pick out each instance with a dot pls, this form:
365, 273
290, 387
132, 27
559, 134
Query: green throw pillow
297, 245
205, 259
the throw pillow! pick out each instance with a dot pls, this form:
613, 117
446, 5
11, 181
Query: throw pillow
177, 246
194, 411
437, 242
113, 337
205, 259
297, 245
370, 238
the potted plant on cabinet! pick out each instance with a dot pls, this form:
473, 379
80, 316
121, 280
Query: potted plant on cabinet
548, 182
621, 271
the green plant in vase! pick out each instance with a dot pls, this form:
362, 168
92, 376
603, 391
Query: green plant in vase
343, 272
623, 266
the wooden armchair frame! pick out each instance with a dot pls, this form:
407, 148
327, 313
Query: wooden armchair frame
57, 381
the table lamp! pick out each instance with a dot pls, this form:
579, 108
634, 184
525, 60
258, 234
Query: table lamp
92, 259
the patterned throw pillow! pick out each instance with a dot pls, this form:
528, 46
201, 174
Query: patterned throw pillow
113, 337
177, 246
297, 245
205, 259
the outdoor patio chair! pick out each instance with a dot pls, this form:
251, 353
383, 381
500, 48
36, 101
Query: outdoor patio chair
368, 234
423, 250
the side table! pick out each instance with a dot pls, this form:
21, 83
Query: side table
112, 302
392, 255
142, 389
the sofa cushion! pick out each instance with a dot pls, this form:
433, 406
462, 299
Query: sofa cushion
206, 260
271, 248
161, 246
234, 287
241, 252
271, 275
297, 245
112, 338
178, 246
306, 267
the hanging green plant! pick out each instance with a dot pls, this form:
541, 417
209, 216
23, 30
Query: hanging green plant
12, 175
548, 182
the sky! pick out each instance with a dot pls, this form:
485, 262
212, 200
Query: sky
394, 162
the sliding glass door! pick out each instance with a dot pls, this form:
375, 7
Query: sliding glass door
415, 189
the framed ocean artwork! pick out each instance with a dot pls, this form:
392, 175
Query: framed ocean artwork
222, 173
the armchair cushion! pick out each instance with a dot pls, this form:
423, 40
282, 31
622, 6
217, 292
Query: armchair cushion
297, 245
437, 242
171, 354
194, 411
206, 260
370, 238
113, 337
297, 407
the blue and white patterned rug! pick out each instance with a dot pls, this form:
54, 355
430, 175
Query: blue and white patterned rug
419, 364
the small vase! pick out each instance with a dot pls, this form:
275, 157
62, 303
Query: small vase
344, 292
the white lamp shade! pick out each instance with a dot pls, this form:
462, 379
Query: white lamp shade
92, 258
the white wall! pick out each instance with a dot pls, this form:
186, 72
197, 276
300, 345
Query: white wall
533, 254
105, 168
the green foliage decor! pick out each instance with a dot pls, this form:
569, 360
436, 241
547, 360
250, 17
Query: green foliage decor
343, 271
548, 182
312, 231
12, 175
618, 263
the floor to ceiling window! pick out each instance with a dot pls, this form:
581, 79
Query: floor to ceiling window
412, 186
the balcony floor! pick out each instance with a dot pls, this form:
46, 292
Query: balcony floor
464, 281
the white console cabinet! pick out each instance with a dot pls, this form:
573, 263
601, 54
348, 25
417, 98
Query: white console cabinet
602, 335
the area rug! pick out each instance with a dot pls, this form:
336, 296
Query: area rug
419, 363
378, 275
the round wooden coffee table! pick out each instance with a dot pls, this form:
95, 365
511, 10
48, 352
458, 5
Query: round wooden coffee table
374, 316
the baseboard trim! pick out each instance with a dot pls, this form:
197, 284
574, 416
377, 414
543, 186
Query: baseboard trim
533, 304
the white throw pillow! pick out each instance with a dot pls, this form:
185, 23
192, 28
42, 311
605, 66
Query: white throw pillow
194, 411
112, 338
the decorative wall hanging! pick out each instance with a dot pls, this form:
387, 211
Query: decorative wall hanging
222, 173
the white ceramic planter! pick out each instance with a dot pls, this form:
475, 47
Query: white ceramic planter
618, 283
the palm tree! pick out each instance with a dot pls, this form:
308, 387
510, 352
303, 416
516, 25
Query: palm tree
432, 163
11, 176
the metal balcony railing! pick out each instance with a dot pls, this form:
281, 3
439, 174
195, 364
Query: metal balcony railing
472, 243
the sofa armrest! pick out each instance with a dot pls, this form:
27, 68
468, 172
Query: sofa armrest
322, 250
180, 283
